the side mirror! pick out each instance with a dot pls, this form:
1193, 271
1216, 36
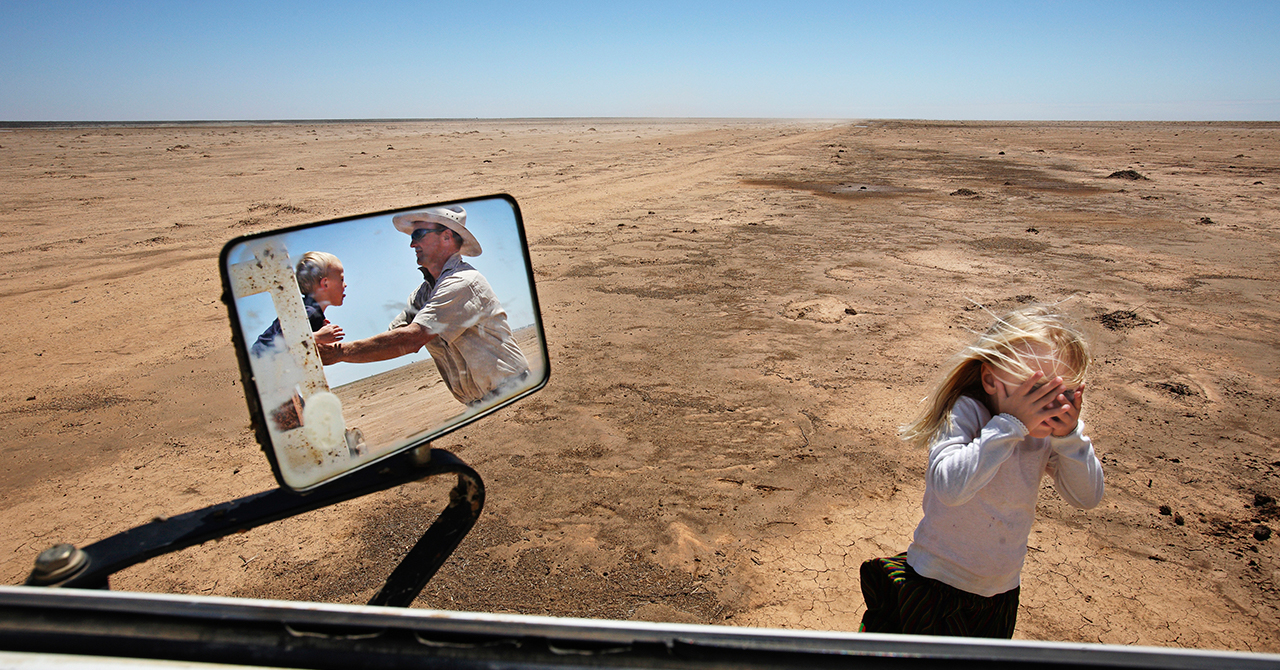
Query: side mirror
467, 331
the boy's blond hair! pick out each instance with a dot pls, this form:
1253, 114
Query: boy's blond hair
1008, 346
312, 267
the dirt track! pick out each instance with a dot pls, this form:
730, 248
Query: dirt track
739, 315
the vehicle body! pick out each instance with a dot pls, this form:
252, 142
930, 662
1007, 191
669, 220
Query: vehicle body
97, 626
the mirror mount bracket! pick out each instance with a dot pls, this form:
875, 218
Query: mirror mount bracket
91, 566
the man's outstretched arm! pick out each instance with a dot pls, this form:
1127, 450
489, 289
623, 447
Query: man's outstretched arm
383, 346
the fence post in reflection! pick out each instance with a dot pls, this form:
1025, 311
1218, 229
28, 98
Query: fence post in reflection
292, 373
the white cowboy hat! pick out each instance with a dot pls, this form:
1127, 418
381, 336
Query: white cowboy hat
453, 217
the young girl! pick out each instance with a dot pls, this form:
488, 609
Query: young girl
1006, 414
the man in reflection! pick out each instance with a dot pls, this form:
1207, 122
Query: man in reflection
320, 278
454, 314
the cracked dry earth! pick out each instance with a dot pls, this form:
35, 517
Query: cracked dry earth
739, 314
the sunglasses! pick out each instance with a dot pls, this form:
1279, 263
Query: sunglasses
420, 233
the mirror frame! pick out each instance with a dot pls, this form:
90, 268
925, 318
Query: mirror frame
257, 413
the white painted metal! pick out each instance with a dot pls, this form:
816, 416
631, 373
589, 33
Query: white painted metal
291, 373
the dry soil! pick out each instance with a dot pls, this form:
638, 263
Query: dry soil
739, 314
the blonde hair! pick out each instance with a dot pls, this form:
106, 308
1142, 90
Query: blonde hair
312, 267
1008, 346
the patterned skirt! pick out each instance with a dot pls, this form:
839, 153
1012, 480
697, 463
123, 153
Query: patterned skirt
899, 600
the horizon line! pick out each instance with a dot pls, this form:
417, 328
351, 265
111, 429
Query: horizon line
268, 122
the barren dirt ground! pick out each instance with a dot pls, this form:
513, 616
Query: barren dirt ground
739, 314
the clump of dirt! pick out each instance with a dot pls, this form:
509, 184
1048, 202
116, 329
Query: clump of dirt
88, 401
1123, 319
822, 310
1175, 388
1266, 506
276, 208
1131, 175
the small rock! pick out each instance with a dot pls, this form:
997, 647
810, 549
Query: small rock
1262, 533
1131, 175
963, 192
1165, 510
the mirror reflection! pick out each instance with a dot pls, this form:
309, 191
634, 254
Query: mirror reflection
369, 335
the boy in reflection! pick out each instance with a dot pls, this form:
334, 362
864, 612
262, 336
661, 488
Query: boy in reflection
454, 314
321, 281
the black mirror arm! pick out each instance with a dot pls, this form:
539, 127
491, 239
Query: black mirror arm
90, 567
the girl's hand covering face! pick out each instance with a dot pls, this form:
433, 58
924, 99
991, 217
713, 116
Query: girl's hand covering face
1070, 401
1041, 406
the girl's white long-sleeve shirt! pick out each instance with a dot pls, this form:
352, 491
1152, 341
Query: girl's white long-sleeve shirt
980, 496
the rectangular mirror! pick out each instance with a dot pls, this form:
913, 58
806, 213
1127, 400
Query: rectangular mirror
364, 336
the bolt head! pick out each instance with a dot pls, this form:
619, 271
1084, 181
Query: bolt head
56, 563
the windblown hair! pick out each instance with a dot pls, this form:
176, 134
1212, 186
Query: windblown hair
312, 267
1006, 346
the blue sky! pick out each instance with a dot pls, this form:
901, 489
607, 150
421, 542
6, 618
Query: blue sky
1035, 60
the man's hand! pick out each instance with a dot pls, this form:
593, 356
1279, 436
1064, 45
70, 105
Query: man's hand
328, 352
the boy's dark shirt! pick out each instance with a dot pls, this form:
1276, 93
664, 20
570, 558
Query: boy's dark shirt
315, 314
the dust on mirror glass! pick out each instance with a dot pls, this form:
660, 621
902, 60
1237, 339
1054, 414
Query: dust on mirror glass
369, 335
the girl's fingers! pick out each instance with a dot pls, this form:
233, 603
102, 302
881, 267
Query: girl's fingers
1029, 383
1053, 388
1044, 396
